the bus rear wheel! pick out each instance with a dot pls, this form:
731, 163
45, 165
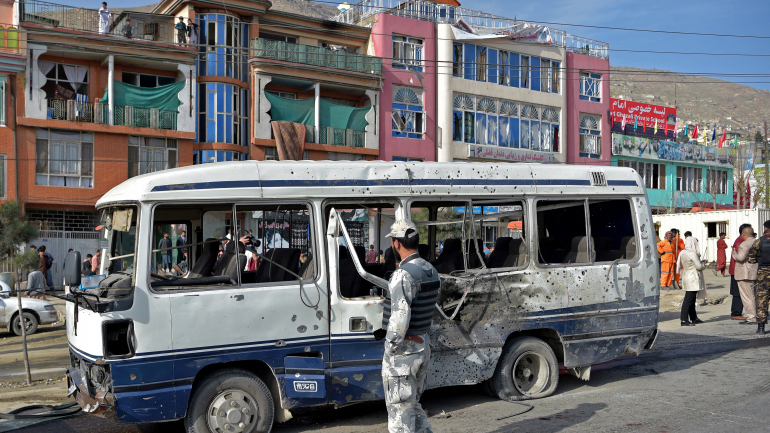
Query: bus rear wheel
230, 401
527, 369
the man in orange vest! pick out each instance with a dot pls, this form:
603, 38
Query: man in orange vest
678, 245
667, 260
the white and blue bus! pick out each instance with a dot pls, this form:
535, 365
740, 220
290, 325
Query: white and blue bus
542, 266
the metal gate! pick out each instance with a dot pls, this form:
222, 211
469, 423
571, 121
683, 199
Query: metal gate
58, 242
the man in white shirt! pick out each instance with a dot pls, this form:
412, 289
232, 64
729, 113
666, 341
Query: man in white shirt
104, 19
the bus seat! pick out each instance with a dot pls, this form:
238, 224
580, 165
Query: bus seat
360, 253
473, 257
351, 284
579, 251
628, 247
424, 251
390, 262
451, 246
497, 257
286, 257
517, 254
305, 270
230, 264
455, 263
605, 249
204, 265
344, 253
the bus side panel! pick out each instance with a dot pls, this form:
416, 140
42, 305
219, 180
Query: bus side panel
156, 405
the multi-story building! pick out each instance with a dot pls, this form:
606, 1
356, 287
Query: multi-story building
11, 68
91, 110
677, 176
501, 88
258, 66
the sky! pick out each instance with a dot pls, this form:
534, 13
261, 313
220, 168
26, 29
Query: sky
741, 17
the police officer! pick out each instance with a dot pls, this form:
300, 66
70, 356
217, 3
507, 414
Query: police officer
760, 252
408, 312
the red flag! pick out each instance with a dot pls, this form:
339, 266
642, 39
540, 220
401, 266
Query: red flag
695, 132
724, 137
644, 126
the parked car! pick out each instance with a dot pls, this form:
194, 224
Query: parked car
36, 312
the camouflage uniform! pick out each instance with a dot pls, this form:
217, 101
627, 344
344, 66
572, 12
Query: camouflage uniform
405, 362
762, 288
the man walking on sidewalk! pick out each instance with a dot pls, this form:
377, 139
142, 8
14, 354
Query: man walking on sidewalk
746, 274
408, 311
760, 251
736, 308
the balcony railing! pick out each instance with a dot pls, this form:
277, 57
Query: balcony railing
59, 109
315, 56
87, 20
440, 13
341, 137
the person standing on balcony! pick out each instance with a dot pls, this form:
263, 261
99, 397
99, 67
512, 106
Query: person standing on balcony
127, 30
104, 19
181, 31
192, 31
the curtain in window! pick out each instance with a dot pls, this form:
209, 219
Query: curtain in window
45, 67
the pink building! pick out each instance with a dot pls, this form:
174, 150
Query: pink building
589, 138
408, 109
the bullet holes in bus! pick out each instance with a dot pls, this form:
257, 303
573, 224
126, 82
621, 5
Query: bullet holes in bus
454, 238
563, 231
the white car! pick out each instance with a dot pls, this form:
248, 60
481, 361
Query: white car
36, 312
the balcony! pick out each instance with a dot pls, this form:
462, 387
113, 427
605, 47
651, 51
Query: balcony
143, 26
75, 111
439, 13
316, 56
336, 136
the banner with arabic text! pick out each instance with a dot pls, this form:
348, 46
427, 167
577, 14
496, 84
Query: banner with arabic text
659, 150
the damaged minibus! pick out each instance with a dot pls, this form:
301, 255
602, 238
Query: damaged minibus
541, 267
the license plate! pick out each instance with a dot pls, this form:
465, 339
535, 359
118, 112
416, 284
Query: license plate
305, 386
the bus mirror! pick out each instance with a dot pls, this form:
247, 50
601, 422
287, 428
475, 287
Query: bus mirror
121, 219
72, 269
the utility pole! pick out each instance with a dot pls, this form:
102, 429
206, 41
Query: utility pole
767, 198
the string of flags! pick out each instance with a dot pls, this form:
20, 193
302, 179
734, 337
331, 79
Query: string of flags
691, 131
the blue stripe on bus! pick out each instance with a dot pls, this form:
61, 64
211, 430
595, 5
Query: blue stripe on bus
306, 183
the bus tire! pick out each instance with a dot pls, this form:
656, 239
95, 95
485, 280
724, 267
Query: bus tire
527, 369
233, 401
29, 319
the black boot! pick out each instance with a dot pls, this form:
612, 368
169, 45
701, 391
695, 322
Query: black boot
760, 328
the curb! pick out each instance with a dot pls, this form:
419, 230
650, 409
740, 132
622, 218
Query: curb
38, 374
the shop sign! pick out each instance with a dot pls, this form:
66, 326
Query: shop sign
509, 154
644, 114
657, 150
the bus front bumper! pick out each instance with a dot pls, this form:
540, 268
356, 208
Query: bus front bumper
97, 403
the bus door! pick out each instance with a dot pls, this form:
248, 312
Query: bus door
356, 312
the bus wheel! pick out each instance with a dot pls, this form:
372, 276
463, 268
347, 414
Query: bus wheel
230, 401
527, 369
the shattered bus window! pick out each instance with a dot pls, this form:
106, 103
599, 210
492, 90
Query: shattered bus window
561, 232
612, 230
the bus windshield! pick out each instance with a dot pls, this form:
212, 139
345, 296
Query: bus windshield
120, 233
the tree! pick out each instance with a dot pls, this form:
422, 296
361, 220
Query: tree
742, 174
15, 232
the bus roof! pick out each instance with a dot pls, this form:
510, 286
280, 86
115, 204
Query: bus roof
302, 179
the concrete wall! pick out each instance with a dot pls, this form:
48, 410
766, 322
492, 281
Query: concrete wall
577, 63
383, 28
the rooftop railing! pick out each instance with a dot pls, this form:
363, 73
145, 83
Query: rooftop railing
446, 14
87, 20
315, 56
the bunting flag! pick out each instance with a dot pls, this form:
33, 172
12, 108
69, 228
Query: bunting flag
655, 131
714, 135
685, 130
695, 131
735, 141
634, 123
705, 137
644, 126
722, 139
623, 124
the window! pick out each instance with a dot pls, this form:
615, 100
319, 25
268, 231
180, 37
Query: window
406, 159
481, 63
207, 156
504, 68
2, 177
716, 181
590, 136
271, 154
505, 123
590, 87
277, 37
689, 179
536, 73
64, 81
457, 59
64, 158
338, 156
524, 72
222, 111
408, 113
549, 73
407, 52
612, 230
151, 154
654, 175
2, 100
499, 231
147, 80
555, 76
715, 229
286, 95
223, 56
